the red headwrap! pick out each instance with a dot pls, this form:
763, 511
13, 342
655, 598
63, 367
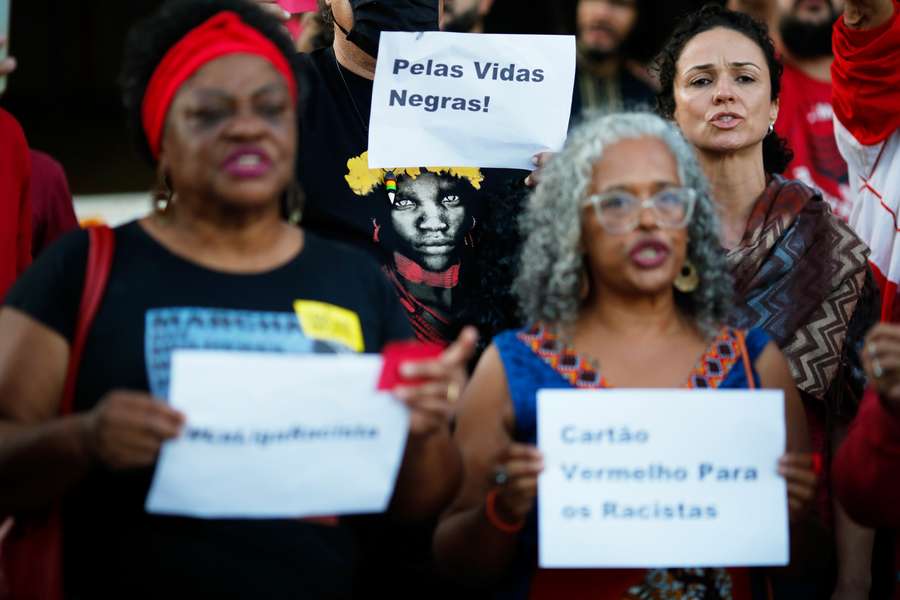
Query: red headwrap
221, 34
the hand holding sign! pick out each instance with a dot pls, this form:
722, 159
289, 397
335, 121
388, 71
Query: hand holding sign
432, 402
663, 476
519, 468
279, 435
126, 429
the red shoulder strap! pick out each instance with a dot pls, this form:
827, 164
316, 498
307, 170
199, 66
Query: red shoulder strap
101, 246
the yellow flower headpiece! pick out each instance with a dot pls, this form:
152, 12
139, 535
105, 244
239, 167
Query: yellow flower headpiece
362, 180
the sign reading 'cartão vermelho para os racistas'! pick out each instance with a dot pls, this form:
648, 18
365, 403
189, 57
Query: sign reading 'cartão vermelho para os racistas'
650, 478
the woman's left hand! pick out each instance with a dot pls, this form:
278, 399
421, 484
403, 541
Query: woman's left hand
799, 469
539, 160
433, 402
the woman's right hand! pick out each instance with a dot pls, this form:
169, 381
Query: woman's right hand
126, 429
520, 465
881, 361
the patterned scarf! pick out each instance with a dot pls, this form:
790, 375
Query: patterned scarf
801, 274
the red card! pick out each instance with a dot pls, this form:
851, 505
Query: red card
298, 6
397, 353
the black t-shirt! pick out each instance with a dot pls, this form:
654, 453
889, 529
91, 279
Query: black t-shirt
154, 303
425, 232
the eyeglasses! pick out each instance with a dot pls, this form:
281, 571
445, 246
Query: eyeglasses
620, 212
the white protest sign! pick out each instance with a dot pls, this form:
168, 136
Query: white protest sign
469, 100
661, 478
276, 435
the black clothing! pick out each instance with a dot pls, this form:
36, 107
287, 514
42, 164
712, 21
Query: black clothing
344, 201
371, 17
156, 302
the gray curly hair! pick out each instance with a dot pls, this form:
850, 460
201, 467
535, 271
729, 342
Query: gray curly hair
551, 265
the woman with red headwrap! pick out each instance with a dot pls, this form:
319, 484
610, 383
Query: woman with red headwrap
209, 85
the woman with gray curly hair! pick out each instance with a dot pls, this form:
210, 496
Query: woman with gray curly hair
622, 282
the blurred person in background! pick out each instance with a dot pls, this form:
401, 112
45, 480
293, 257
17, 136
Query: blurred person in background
866, 79
334, 124
801, 30
342, 203
800, 272
52, 208
465, 16
605, 80
867, 467
15, 194
866, 82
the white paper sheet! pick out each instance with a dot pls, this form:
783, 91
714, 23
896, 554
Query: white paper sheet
275, 435
469, 100
661, 478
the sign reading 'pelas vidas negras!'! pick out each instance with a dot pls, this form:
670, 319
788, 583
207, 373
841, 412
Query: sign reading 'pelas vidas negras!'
469, 100
644, 478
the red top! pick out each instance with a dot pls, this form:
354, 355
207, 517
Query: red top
867, 467
52, 212
805, 119
15, 202
865, 77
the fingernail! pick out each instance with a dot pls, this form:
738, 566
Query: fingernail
286, 14
535, 160
407, 369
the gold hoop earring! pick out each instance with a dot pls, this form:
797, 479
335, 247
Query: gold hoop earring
688, 279
584, 285
163, 196
292, 203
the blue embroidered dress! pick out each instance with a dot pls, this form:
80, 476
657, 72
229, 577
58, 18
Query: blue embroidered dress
535, 359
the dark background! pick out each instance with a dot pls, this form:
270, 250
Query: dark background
64, 92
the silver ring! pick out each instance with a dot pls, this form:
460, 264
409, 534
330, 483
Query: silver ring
501, 477
877, 371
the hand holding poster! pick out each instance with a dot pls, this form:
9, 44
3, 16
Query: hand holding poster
469, 100
661, 478
278, 436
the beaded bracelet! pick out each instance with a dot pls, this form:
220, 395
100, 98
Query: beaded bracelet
490, 510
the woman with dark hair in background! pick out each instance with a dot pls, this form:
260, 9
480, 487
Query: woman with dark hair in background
209, 87
800, 272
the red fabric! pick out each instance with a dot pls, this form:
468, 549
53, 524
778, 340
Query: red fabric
866, 79
805, 119
220, 35
413, 272
52, 212
890, 306
608, 584
867, 466
15, 202
31, 557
